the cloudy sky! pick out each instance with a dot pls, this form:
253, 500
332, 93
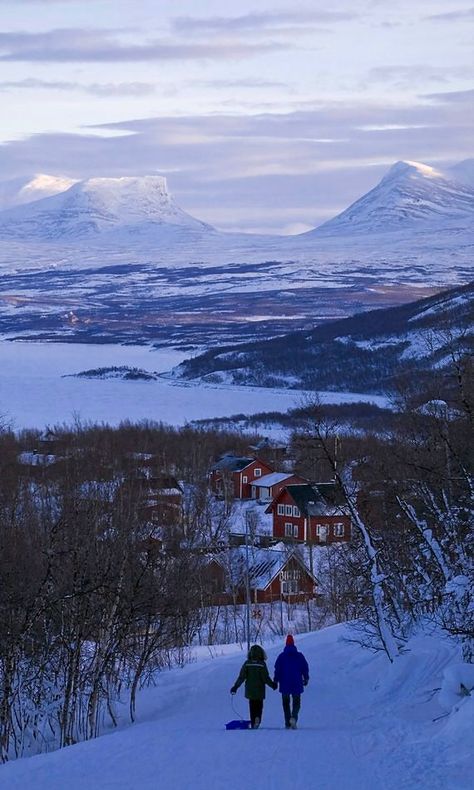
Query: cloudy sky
265, 115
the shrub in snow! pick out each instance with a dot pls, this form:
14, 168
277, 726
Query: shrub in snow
457, 684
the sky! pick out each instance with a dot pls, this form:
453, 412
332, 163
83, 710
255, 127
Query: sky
265, 116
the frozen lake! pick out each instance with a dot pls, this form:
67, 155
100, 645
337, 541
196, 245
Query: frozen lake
34, 394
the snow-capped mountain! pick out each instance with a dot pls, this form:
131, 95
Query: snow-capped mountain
122, 206
409, 197
26, 189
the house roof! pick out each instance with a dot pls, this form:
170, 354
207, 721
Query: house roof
267, 444
306, 497
166, 485
231, 463
264, 564
267, 481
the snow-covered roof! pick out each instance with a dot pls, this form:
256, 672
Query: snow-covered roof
264, 564
267, 481
231, 463
36, 459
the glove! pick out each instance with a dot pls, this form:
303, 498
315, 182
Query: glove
233, 691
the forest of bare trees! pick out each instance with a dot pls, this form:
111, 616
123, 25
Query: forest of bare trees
409, 492
92, 603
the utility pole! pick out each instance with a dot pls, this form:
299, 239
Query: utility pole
247, 579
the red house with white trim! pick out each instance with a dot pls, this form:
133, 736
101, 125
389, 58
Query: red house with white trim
274, 574
233, 475
300, 513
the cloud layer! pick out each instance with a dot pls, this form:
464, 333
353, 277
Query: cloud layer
264, 172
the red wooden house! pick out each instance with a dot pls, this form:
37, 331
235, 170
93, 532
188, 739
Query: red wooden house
233, 475
164, 499
301, 513
274, 574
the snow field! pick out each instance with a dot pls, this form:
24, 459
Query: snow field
364, 725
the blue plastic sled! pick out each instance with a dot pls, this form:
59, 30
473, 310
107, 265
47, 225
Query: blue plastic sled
238, 724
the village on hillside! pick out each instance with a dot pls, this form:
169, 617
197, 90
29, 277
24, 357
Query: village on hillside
264, 523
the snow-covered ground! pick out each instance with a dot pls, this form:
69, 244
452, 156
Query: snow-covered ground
364, 725
33, 392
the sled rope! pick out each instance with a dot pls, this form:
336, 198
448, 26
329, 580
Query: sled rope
234, 708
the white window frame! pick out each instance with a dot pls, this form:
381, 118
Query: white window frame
280, 510
288, 510
245, 479
257, 472
290, 587
295, 530
288, 530
339, 530
320, 527
296, 512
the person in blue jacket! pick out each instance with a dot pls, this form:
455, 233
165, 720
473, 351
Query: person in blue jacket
292, 674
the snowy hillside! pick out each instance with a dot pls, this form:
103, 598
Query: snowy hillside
18, 191
132, 205
463, 172
410, 196
365, 352
364, 725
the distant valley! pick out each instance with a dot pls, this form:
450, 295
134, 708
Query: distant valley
116, 260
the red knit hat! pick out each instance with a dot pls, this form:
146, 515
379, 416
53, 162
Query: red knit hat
289, 640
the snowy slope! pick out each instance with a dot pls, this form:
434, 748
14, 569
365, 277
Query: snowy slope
17, 191
364, 725
130, 205
410, 196
463, 172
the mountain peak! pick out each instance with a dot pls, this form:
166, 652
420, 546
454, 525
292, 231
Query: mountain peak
405, 168
410, 195
26, 189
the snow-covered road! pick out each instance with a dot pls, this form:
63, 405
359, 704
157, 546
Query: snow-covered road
364, 725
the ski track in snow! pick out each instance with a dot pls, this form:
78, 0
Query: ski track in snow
364, 725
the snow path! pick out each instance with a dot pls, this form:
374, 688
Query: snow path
364, 725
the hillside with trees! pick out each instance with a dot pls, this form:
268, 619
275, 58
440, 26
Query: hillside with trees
365, 353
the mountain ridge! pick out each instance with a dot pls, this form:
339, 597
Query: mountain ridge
409, 197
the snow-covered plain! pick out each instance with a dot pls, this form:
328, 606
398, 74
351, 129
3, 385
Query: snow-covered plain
33, 392
364, 725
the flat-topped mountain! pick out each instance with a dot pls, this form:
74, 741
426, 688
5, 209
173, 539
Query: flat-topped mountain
128, 205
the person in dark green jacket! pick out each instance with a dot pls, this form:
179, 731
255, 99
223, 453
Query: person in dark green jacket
254, 673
